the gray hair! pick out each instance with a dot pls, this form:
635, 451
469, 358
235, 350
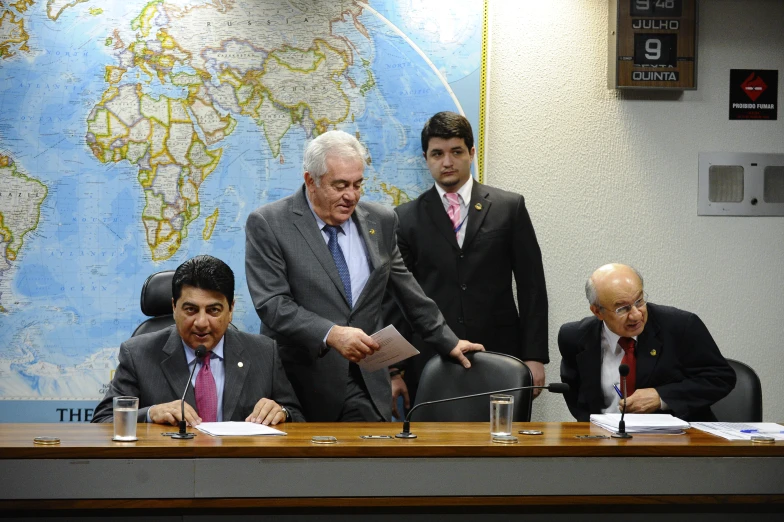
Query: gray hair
590, 287
334, 143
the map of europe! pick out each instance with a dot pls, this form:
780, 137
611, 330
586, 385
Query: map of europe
135, 135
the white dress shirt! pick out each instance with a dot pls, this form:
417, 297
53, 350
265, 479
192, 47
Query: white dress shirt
612, 355
465, 199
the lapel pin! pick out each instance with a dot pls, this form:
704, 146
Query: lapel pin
372, 231
653, 352
478, 206
239, 364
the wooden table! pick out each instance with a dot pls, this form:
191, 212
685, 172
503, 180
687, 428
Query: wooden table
449, 468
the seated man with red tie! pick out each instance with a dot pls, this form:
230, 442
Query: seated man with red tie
674, 364
240, 379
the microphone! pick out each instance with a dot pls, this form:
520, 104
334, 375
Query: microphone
201, 352
555, 387
621, 433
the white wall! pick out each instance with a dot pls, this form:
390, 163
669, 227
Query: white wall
612, 176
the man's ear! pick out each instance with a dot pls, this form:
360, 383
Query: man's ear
174, 306
472, 152
597, 311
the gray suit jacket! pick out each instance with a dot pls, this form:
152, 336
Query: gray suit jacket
298, 295
153, 367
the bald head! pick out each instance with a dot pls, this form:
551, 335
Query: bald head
609, 274
615, 286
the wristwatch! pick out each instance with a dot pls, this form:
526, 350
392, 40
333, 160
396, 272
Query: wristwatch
286, 412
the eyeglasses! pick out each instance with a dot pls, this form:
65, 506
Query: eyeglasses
639, 303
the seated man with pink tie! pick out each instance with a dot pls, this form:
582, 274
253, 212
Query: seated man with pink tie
674, 364
240, 379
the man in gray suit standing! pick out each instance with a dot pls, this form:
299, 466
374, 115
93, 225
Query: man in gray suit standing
318, 263
241, 379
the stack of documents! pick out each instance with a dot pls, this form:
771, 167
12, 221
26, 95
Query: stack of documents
641, 422
237, 429
741, 430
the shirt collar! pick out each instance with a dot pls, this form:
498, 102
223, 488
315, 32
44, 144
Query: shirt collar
464, 192
612, 337
190, 353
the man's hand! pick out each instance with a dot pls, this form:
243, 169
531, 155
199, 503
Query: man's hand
644, 400
351, 343
170, 413
267, 412
464, 347
537, 370
399, 388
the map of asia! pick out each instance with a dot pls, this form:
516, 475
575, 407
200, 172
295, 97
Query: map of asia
134, 135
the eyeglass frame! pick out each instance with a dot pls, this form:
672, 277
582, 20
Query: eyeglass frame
639, 304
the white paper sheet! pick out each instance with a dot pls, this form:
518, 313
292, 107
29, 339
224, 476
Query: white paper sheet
641, 422
732, 430
237, 429
394, 348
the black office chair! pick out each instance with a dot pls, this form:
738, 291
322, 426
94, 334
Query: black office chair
156, 303
744, 402
445, 377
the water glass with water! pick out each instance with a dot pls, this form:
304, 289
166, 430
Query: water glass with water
125, 411
501, 408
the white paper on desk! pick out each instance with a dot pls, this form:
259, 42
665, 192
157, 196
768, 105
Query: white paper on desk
236, 429
641, 422
394, 348
731, 430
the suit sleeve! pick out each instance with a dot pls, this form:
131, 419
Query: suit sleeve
531, 287
124, 384
266, 272
570, 375
420, 311
708, 377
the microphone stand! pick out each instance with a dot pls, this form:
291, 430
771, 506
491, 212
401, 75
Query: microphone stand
621, 433
406, 433
201, 352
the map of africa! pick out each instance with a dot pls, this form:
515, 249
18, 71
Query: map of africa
134, 135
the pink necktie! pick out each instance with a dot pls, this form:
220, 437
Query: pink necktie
206, 393
454, 211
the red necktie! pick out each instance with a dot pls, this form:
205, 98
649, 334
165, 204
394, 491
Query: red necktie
206, 393
630, 360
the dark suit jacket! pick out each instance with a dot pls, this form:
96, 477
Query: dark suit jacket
675, 354
153, 368
298, 295
472, 285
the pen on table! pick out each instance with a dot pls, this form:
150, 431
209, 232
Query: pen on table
762, 432
617, 390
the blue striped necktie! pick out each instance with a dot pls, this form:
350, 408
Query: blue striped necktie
340, 261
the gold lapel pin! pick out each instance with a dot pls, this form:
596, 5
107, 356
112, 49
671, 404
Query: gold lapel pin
372, 231
653, 352
478, 206
239, 364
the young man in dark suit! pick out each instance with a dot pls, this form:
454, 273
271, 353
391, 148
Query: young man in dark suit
674, 364
463, 241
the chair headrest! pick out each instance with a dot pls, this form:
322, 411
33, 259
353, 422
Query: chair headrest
157, 294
